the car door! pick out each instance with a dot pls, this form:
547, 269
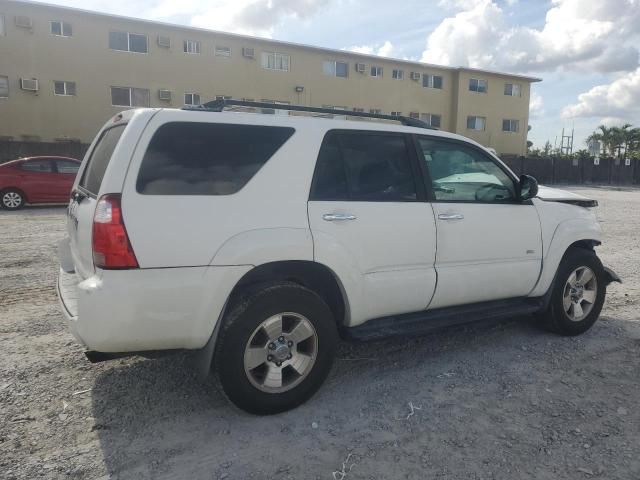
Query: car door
371, 223
66, 171
36, 180
489, 242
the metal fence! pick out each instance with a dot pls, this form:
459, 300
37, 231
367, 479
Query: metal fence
12, 150
553, 170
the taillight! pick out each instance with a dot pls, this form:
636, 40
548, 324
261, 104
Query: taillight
111, 246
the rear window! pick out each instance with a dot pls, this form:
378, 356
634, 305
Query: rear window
99, 159
186, 158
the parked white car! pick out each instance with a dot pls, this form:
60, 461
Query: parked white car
257, 240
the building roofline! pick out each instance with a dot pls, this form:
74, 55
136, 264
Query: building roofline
275, 42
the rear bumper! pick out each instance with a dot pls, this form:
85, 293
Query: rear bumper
611, 276
146, 309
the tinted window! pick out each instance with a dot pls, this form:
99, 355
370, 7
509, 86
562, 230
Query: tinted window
100, 156
461, 173
67, 166
366, 167
37, 166
206, 158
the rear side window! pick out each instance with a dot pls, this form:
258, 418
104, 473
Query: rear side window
67, 166
99, 159
365, 167
43, 166
186, 158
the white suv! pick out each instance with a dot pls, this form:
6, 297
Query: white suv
258, 239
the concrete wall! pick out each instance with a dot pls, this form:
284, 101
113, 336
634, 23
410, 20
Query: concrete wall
86, 59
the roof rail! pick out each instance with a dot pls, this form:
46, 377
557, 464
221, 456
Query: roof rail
220, 105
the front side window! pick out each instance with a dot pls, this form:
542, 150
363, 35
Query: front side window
460, 173
191, 46
129, 97
364, 167
276, 61
335, 69
431, 81
42, 166
376, 71
4, 86
511, 126
476, 123
99, 159
397, 74
128, 42
206, 158
192, 99
513, 89
477, 85
61, 29
64, 88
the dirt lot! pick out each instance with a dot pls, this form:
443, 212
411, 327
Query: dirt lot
504, 401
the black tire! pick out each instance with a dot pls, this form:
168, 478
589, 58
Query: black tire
555, 319
15, 193
244, 317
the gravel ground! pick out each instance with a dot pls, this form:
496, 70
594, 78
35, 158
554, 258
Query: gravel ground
503, 401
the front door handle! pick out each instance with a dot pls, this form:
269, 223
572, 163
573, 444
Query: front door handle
337, 217
450, 216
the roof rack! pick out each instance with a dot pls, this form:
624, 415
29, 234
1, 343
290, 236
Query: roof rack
220, 105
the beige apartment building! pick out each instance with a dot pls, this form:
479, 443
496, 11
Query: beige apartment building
64, 72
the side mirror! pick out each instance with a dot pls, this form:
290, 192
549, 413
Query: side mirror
528, 187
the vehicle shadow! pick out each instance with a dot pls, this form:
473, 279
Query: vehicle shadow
155, 419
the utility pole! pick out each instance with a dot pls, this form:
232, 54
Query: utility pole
566, 144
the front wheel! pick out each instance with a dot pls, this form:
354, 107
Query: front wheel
276, 348
12, 199
578, 294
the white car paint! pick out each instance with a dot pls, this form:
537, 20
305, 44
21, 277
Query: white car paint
392, 258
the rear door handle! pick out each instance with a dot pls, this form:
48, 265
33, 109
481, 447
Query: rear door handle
337, 217
450, 216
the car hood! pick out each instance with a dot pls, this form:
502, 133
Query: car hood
549, 194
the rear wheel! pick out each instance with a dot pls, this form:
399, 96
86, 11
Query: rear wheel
275, 348
12, 199
578, 294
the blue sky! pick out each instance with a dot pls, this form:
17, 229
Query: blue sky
586, 51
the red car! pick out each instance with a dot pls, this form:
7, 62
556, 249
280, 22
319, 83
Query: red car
36, 180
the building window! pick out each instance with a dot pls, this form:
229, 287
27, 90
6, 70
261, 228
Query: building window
223, 51
67, 89
276, 61
61, 29
223, 97
358, 109
4, 87
511, 126
397, 74
275, 111
476, 123
191, 46
414, 115
431, 81
335, 69
376, 71
375, 111
192, 99
513, 89
477, 85
129, 97
396, 114
431, 119
128, 42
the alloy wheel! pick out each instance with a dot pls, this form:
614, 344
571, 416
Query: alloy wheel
580, 292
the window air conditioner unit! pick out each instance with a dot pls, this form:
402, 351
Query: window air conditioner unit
361, 67
30, 84
415, 76
248, 52
164, 95
164, 41
23, 21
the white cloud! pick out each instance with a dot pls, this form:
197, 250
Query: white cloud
594, 35
536, 105
618, 100
384, 50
